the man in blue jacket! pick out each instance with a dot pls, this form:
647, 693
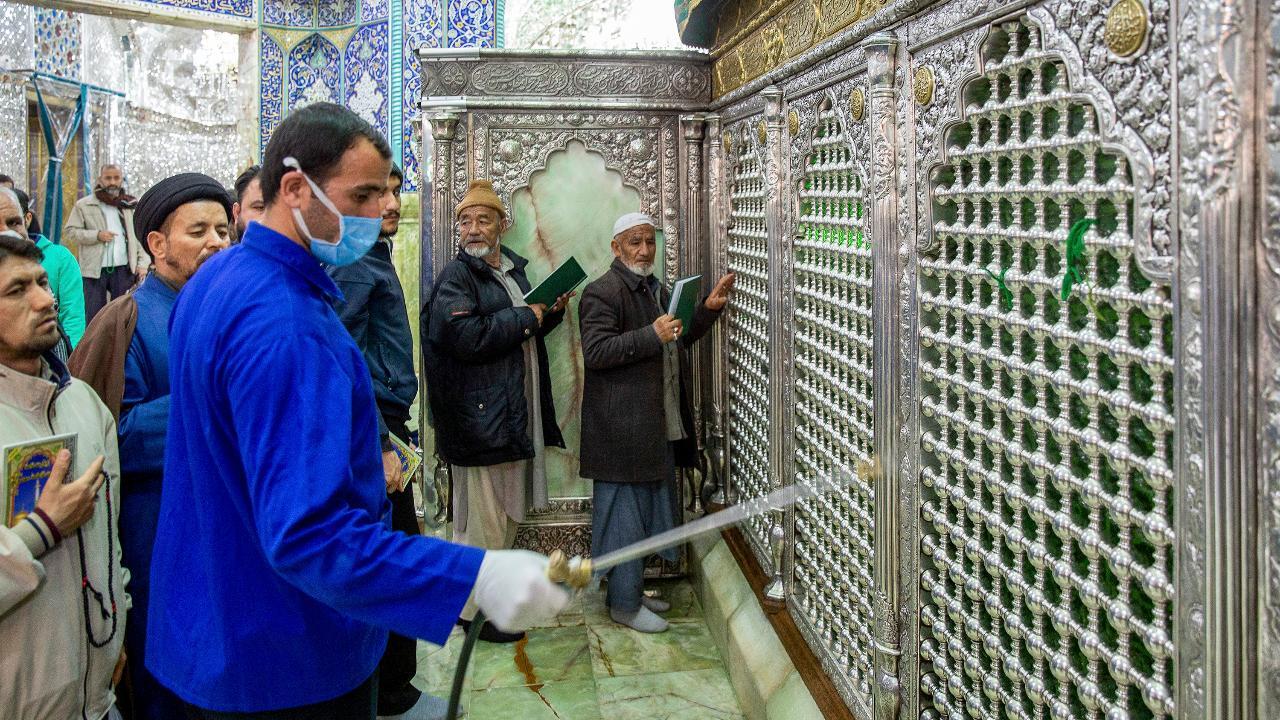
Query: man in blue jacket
373, 310
276, 573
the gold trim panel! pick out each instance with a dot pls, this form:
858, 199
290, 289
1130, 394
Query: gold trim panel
755, 36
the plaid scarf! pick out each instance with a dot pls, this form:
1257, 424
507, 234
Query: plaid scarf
123, 201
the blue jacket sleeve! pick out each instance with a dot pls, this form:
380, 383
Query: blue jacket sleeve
144, 421
310, 496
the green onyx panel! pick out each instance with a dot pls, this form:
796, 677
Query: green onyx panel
568, 209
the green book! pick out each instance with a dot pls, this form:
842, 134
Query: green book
684, 299
565, 278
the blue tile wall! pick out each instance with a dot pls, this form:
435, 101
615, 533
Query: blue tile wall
315, 72
366, 75
336, 13
473, 23
355, 66
271, 109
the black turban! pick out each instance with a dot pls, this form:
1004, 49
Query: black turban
171, 193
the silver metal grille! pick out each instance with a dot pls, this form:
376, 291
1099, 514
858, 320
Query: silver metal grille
834, 533
1047, 424
748, 258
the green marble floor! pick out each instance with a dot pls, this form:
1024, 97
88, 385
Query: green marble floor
586, 667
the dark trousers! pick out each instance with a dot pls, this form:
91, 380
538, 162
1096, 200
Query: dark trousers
355, 705
105, 288
399, 663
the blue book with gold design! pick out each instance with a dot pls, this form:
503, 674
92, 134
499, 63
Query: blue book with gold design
24, 469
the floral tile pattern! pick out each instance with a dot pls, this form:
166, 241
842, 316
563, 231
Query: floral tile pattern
336, 13
473, 23
57, 45
366, 75
271, 107
289, 13
355, 67
315, 72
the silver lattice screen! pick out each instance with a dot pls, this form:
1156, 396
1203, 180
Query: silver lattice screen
833, 358
749, 333
1047, 415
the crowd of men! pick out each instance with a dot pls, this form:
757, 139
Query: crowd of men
232, 536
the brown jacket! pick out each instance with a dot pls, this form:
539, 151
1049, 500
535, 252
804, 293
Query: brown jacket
99, 358
623, 428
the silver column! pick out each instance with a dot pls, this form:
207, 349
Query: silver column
444, 125
781, 311
717, 265
887, 268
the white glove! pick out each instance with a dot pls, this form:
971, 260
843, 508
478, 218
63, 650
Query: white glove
513, 590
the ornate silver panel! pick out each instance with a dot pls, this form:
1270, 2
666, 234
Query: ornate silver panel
834, 538
1047, 448
748, 347
510, 113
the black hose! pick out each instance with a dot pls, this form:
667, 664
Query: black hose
464, 659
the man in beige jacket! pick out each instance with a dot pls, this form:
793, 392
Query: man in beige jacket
62, 589
111, 258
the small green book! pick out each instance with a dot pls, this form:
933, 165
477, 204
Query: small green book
565, 278
684, 299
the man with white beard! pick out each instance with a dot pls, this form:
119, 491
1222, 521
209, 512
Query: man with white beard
637, 424
488, 382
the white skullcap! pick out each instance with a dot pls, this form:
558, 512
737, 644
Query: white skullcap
630, 220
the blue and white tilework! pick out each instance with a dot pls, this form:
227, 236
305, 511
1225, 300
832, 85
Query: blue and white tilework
358, 71
473, 23
366, 75
57, 43
271, 110
371, 10
315, 72
243, 9
422, 29
336, 13
289, 13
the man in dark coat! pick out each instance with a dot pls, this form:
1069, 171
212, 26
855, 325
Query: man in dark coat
636, 420
488, 382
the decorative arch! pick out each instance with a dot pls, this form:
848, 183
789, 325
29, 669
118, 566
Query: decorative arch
315, 72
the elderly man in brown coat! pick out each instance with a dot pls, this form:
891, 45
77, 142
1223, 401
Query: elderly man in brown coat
636, 420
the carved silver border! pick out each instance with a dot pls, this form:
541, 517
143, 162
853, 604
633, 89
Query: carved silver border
1269, 370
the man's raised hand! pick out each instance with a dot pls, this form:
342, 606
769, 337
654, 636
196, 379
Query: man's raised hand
719, 296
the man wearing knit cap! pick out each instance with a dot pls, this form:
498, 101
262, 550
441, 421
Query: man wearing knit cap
637, 425
488, 381
182, 221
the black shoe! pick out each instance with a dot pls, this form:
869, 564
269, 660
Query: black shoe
490, 633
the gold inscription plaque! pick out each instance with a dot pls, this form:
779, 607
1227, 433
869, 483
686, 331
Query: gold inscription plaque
922, 85
1126, 27
857, 104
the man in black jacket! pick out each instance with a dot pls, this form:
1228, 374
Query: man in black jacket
636, 420
373, 310
488, 382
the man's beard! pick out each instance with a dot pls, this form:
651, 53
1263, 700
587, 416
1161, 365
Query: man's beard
113, 190
477, 251
642, 269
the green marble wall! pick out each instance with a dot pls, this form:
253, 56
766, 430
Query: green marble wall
406, 256
569, 209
